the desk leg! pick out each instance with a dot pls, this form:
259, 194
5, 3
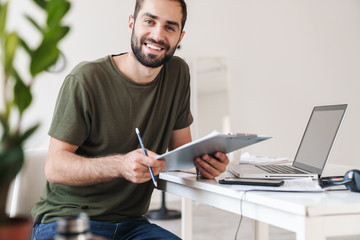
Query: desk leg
315, 235
261, 231
186, 219
312, 229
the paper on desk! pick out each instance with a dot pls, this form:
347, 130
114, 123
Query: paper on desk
249, 159
290, 185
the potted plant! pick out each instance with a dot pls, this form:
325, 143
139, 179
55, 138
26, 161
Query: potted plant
16, 95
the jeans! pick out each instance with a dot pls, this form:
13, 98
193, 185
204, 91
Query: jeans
130, 229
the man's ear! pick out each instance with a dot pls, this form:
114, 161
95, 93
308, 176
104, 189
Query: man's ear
131, 23
181, 37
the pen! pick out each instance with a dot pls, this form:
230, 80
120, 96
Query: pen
143, 148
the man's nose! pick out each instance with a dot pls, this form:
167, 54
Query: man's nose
159, 33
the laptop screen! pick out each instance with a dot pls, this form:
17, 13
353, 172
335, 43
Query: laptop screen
319, 137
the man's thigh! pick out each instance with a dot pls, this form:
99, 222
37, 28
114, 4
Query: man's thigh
44, 231
131, 229
142, 230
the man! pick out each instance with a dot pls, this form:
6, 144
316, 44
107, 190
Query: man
94, 163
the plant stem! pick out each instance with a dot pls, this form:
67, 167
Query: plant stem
17, 130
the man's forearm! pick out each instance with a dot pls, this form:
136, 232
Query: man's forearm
63, 167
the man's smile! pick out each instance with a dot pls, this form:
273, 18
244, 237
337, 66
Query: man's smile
151, 52
153, 46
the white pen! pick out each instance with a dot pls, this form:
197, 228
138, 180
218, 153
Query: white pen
143, 148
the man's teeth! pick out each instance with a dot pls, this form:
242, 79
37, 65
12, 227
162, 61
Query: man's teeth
153, 47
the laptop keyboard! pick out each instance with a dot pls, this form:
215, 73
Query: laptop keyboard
282, 169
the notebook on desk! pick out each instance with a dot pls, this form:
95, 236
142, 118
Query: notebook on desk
312, 153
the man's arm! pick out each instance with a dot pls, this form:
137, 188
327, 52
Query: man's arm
63, 166
179, 138
208, 166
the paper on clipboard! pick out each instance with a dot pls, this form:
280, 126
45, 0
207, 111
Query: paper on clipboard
182, 158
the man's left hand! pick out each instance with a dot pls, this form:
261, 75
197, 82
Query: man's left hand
211, 166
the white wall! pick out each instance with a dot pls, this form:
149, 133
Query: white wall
284, 58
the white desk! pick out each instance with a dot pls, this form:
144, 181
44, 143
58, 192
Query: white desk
312, 216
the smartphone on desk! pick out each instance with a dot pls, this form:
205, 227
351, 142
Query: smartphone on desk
252, 181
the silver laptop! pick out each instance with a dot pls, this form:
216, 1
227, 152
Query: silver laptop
312, 154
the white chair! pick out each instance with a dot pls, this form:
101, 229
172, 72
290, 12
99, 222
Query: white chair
28, 185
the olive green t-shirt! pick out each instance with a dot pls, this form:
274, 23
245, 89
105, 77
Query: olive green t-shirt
98, 109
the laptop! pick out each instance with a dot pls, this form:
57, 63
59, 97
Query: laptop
312, 154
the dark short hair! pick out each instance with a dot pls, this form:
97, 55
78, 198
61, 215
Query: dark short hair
139, 4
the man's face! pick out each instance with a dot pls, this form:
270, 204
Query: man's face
156, 32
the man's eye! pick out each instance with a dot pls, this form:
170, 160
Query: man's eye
149, 21
170, 29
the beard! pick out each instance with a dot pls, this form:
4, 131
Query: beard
150, 60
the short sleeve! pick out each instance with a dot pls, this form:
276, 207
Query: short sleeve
72, 116
184, 118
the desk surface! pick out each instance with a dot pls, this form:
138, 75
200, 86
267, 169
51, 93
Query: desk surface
307, 204
294, 211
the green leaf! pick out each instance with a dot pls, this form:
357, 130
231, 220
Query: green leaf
11, 44
57, 33
56, 11
28, 133
12, 159
41, 3
43, 57
3, 14
34, 23
5, 129
26, 47
22, 94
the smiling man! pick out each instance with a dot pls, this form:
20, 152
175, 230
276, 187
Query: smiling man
158, 51
95, 164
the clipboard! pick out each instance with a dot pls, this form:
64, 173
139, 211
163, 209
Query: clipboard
182, 158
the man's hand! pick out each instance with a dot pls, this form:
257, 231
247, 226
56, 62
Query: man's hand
211, 167
134, 166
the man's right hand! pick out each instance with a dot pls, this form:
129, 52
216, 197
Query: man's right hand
134, 166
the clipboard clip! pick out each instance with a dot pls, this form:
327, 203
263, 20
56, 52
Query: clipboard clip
243, 134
